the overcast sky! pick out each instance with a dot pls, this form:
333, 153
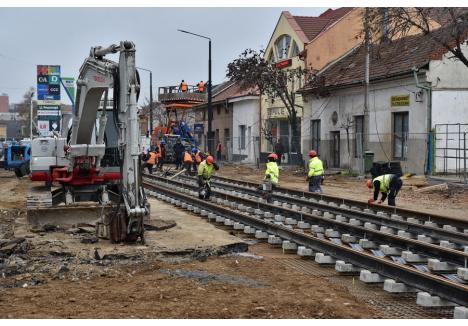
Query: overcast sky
63, 36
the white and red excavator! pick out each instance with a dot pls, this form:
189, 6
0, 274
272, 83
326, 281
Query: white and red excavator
94, 171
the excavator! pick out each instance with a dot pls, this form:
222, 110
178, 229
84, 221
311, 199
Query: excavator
95, 171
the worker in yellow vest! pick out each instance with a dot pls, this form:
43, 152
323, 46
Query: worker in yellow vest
315, 173
387, 184
205, 171
183, 86
271, 177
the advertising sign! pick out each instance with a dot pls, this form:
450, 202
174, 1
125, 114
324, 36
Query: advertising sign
69, 83
43, 127
48, 83
400, 100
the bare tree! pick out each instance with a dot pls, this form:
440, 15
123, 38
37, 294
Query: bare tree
24, 111
159, 112
267, 131
347, 124
251, 70
394, 23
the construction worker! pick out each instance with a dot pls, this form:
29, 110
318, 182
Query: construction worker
271, 177
388, 184
188, 161
162, 158
205, 171
201, 86
150, 161
316, 171
178, 153
183, 86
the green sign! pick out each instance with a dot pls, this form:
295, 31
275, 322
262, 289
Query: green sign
69, 83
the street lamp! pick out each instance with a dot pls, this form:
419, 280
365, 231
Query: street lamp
31, 116
151, 98
210, 109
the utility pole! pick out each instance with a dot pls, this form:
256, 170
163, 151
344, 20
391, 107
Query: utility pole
365, 136
151, 103
31, 116
210, 108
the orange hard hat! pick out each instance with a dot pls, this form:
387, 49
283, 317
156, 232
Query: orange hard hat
210, 160
369, 184
273, 156
312, 153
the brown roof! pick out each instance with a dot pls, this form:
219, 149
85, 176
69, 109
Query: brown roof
312, 26
228, 90
386, 60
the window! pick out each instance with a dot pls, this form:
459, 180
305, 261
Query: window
400, 135
358, 135
217, 135
315, 135
242, 137
227, 136
295, 50
282, 46
271, 57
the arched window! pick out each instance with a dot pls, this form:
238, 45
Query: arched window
271, 57
295, 49
283, 44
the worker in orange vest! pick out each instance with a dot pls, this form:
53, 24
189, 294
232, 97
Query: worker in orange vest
201, 86
150, 161
183, 86
188, 161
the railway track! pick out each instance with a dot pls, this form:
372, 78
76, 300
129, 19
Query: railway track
322, 232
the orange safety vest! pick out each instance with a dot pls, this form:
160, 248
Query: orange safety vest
158, 153
187, 157
198, 157
183, 87
152, 158
201, 87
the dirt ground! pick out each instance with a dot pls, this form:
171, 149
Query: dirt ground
189, 270
452, 203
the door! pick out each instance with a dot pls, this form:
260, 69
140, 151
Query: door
335, 149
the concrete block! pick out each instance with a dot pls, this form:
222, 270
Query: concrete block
196, 210
396, 217
386, 229
183, 205
279, 218
465, 231
238, 226
344, 206
425, 238
431, 224
426, 300
242, 207
439, 266
368, 211
341, 218
288, 245
276, 203
390, 251
274, 240
342, 267
261, 234
268, 215
258, 211
219, 201
347, 238
371, 226
286, 205
330, 233
462, 273
190, 207
249, 230
328, 215
332, 204
289, 226
367, 244
447, 244
381, 214
412, 258
304, 252
220, 219
322, 202
355, 222
321, 258
290, 221
465, 248
404, 234
299, 230
303, 225
305, 210
449, 228
317, 229
413, 220
228, 222
233, 205
295, 207
395, 287
178, 203
204, 213
355, 208
316, 212
369, 277
211, 216
460, 313
173, 201
250, 209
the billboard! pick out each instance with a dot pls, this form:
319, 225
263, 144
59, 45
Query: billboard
69, 84
48, 83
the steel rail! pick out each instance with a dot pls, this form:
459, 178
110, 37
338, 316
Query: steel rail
436, 218
446, 254
434, 284
431, 231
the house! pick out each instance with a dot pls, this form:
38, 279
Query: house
287, 41
417, 106
235, 122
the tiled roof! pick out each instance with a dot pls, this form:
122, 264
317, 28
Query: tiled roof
386, 60
228, 90
312, 26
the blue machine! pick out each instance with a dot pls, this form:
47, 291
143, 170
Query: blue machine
15, 155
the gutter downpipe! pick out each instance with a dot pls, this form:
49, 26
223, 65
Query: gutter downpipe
428, 89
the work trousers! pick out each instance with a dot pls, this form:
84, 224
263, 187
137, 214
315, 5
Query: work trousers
149, 167
178, 162
314, 183
187, 167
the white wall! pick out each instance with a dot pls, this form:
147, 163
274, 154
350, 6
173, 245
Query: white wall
246, 111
